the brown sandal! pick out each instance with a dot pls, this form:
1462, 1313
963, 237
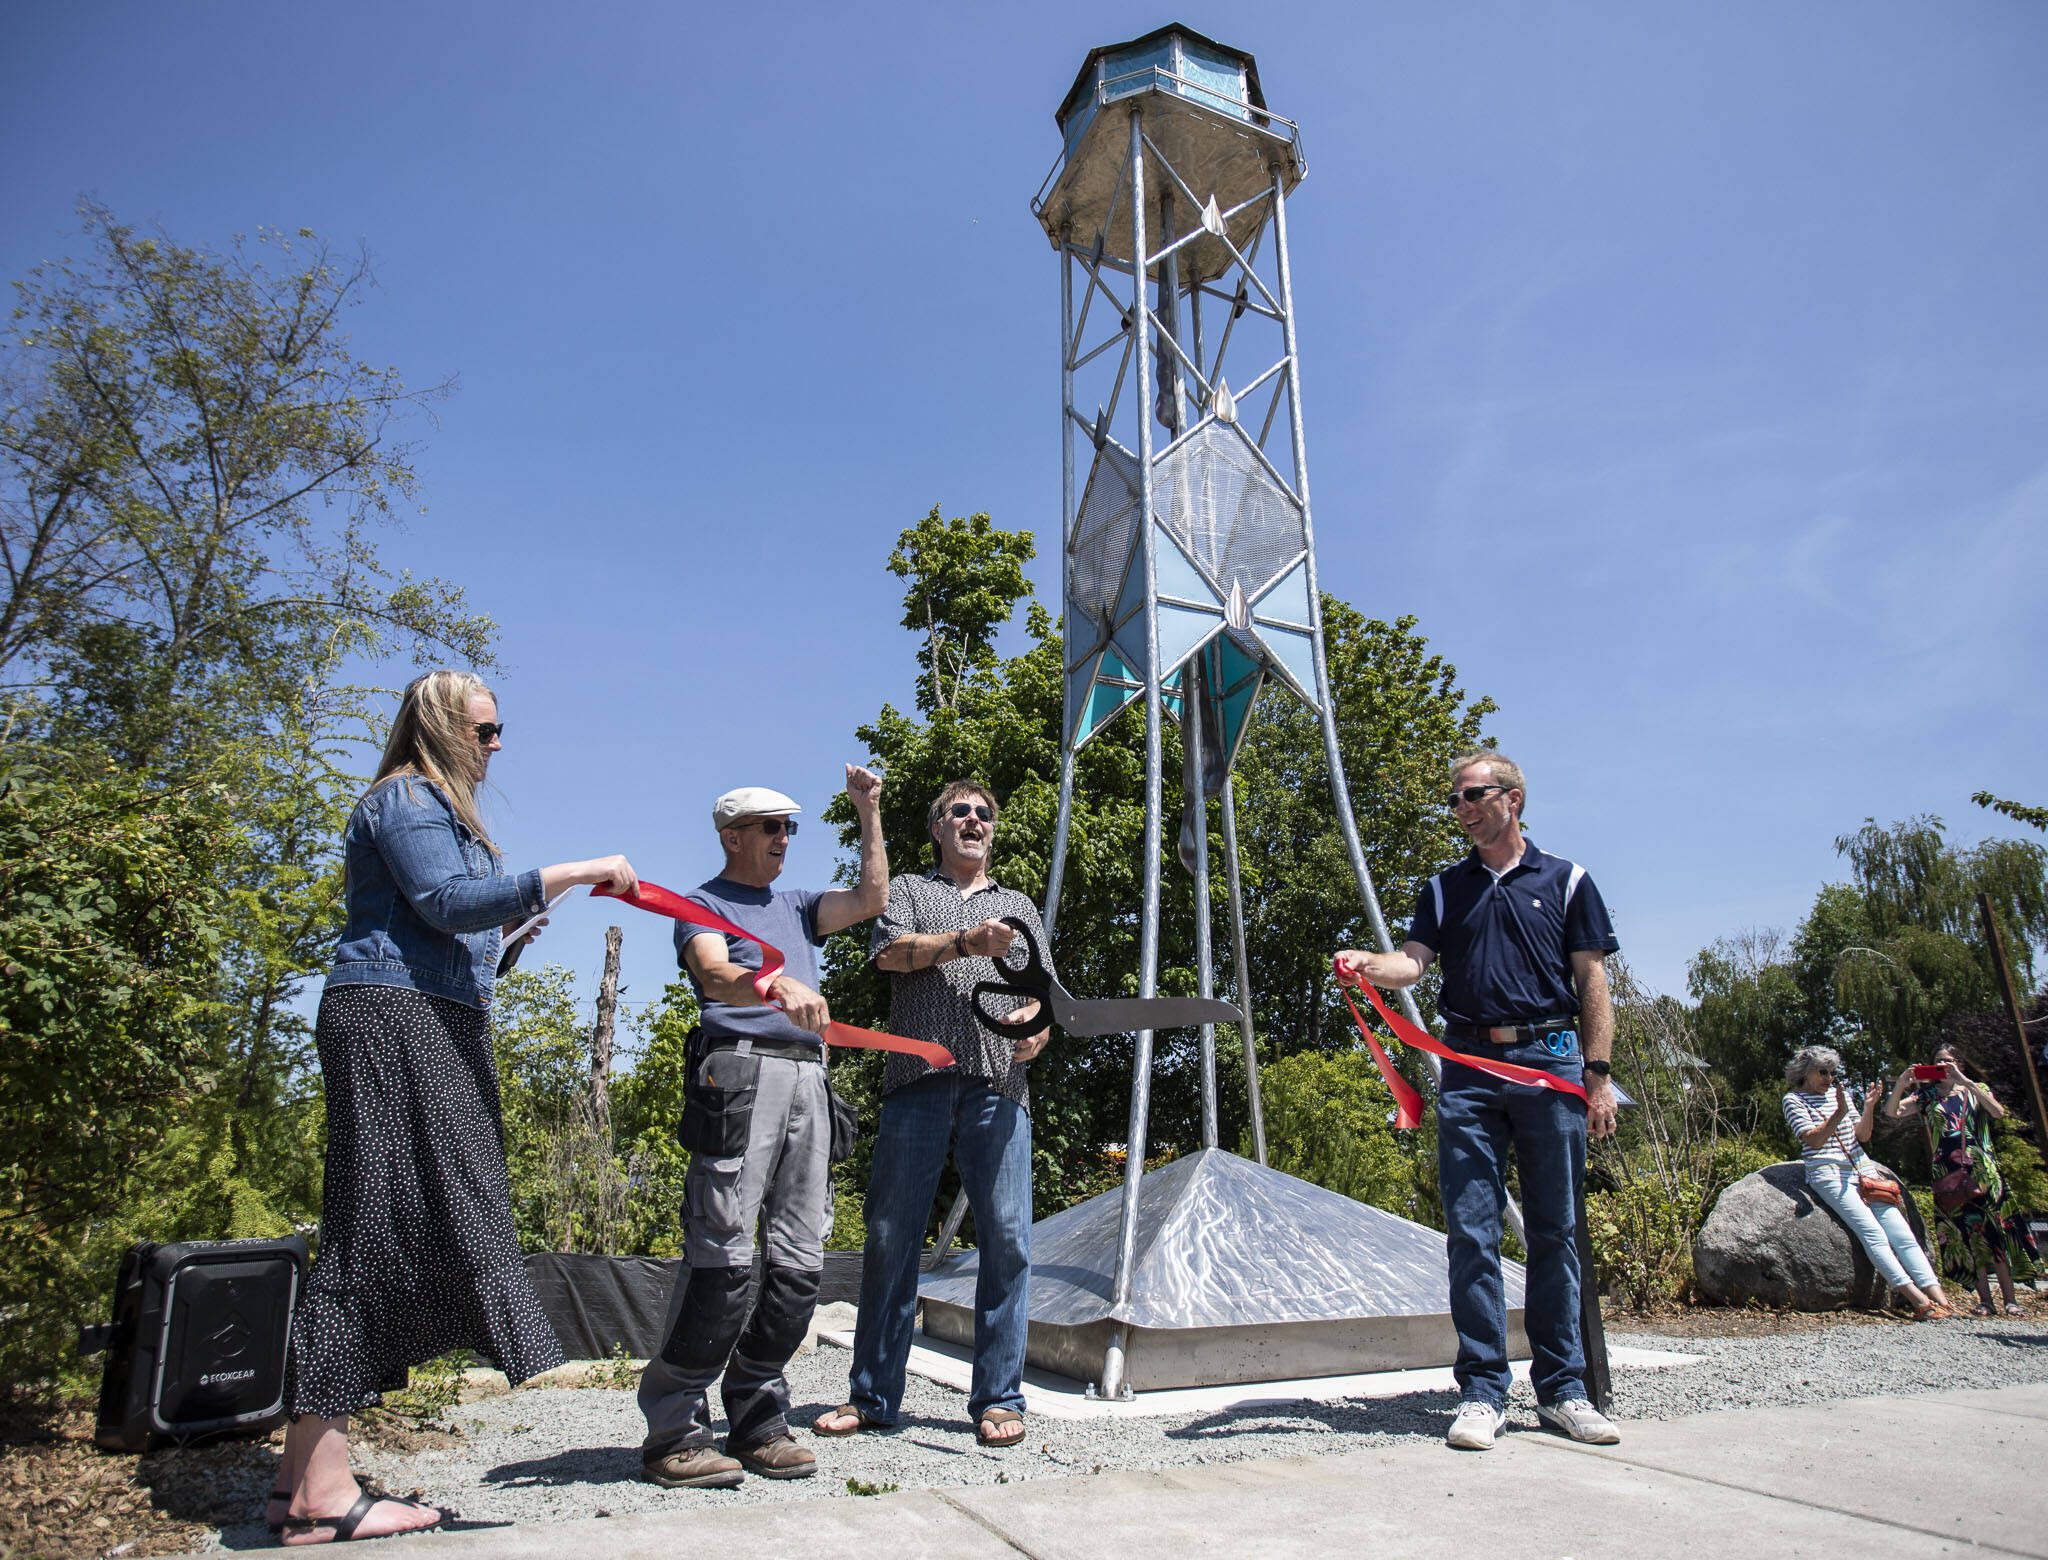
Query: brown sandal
995, 1418
865, 1421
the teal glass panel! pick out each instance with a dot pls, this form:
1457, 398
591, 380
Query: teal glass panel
1296, 657
1222, 75
1182, 630
1288, 598
1084, 112
1178, 575
1136, 70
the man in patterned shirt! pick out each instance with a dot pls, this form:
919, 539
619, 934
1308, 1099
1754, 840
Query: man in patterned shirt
937, 939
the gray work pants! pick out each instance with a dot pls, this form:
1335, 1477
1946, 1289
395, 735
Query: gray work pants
780, 1180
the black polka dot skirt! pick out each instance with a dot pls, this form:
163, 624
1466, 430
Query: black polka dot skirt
417, 1254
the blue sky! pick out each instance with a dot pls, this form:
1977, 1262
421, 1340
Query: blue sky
1684, 369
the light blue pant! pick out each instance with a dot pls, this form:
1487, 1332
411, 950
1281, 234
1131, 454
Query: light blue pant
1883, 1230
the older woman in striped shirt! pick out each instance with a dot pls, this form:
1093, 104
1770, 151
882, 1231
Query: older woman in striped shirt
1832, 1133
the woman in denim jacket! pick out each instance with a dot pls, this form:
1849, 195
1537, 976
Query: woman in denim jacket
417, 1250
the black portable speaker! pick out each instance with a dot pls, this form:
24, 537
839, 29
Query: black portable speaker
199, 1340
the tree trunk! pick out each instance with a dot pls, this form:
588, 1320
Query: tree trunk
601, 1041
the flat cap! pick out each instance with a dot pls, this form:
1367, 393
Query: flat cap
751, 801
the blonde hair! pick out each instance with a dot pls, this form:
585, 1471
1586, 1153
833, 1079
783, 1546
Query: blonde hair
1505, 770
433, 737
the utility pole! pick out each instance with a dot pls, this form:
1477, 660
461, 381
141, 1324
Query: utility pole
1996, 944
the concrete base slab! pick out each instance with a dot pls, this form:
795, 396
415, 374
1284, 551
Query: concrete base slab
1057, 1397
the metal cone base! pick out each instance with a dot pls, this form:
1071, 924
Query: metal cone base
1242, 1274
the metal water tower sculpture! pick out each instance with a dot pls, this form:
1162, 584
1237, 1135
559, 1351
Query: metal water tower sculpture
1190, 589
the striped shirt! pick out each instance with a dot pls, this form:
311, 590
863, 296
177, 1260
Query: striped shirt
1804, 1112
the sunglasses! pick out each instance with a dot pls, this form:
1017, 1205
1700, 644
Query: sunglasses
769, 826
981, 810
488, 731
1473, 793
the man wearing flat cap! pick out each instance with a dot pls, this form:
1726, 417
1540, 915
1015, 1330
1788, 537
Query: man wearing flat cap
757, 1123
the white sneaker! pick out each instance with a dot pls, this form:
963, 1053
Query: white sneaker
1580, 1420
1476, 1426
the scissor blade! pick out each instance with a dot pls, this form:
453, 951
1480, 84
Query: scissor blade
1121, 1015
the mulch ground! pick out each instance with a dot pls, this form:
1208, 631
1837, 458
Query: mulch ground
61, 1498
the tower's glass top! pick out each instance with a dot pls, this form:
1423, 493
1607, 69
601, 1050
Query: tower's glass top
1173, 59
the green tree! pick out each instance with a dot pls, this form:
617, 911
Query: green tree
965, 579
2019, 812
191, 457
1926, 957
647, 1110
1882, 966
1753, 1011
194, 461
111, 920
1327, 1123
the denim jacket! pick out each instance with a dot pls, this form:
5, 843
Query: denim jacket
426, 898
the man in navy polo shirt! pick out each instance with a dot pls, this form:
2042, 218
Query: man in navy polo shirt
1524, 938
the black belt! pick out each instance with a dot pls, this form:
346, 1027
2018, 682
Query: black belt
786, 1050
1522, 1032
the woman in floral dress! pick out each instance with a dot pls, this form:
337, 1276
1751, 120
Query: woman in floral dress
1974, 1227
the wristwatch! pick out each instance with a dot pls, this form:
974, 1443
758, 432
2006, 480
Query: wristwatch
1598, 1069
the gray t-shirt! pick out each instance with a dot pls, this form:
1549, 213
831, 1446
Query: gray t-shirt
786, 919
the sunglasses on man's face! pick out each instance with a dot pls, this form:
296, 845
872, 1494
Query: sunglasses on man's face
488, 731
981, 810
769, 826
1473, 793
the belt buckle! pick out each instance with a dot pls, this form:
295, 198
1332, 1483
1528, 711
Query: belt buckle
1502, 1034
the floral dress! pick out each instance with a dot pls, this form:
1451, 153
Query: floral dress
1979, 1234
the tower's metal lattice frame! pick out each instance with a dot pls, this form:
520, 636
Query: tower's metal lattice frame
1189, 559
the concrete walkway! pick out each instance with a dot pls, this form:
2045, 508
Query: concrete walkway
1868, 1477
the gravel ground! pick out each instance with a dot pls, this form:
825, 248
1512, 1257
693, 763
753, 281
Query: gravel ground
556, 1454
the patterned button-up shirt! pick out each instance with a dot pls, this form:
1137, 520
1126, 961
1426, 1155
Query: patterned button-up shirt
936, 1003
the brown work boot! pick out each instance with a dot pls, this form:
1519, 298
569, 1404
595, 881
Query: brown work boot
692, 1468
780, 1458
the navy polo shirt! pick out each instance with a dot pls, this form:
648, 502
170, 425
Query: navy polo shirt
1506, 944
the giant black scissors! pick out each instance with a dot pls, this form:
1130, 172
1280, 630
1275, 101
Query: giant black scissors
1116, 1015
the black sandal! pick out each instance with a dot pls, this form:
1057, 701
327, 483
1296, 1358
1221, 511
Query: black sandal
346, 1524
284, 1495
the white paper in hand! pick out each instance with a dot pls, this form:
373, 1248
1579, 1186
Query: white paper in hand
531, 922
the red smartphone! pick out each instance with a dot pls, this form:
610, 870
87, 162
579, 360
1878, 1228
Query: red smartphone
1928, 1072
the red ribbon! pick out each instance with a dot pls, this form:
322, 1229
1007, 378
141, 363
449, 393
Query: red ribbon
1407, 1103
666, 901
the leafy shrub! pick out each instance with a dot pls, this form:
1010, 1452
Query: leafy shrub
1327, 1122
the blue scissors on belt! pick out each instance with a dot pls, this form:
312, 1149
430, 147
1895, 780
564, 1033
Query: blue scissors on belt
1116, 1015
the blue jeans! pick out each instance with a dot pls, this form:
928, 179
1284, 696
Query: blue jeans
990, 1138
1478, 1117
1881, 1230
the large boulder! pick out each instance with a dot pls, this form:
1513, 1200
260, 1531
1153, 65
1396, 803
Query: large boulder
1771, 1241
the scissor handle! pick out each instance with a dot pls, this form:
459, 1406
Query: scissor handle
1004, 1025
1032, 975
